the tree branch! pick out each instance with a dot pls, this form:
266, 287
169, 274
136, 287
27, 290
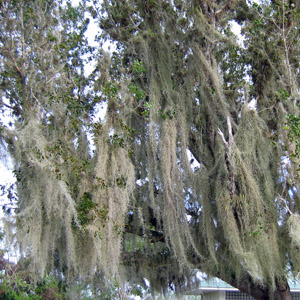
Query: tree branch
153, 235
228, 151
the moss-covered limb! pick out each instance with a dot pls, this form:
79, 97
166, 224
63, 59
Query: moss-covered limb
156, 261
246, 285
214, 110
257, 290
158, 268
153, 235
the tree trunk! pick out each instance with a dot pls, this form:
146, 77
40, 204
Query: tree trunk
264, 294
255, 290
283, 291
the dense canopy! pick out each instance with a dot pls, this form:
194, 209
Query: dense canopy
195, 166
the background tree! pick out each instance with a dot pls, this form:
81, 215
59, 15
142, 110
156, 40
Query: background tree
178, 90
42, 84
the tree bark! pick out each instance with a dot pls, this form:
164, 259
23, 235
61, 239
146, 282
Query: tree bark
255, 290
283, 291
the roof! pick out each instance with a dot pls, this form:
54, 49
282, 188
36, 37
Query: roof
216, 284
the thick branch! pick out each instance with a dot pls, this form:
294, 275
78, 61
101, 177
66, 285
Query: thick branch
248, 286
228, 151
154, 261
153, 235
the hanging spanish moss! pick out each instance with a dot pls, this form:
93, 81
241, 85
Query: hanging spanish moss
194, 166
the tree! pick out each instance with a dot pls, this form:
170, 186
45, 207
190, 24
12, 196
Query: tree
178, 90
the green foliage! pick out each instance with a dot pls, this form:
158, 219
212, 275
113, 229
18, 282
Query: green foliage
96, 128
138, 67
293, 127
83, 292
168, 114
110, 90
102, 183
138, 93
49, 289
283, 95
17, 289
116, 139
84, 207
63, 156
146, 109
18, 284
123, 138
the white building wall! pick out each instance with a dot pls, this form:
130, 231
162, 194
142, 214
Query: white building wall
217, 295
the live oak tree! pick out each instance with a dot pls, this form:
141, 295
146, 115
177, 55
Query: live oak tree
196, 164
